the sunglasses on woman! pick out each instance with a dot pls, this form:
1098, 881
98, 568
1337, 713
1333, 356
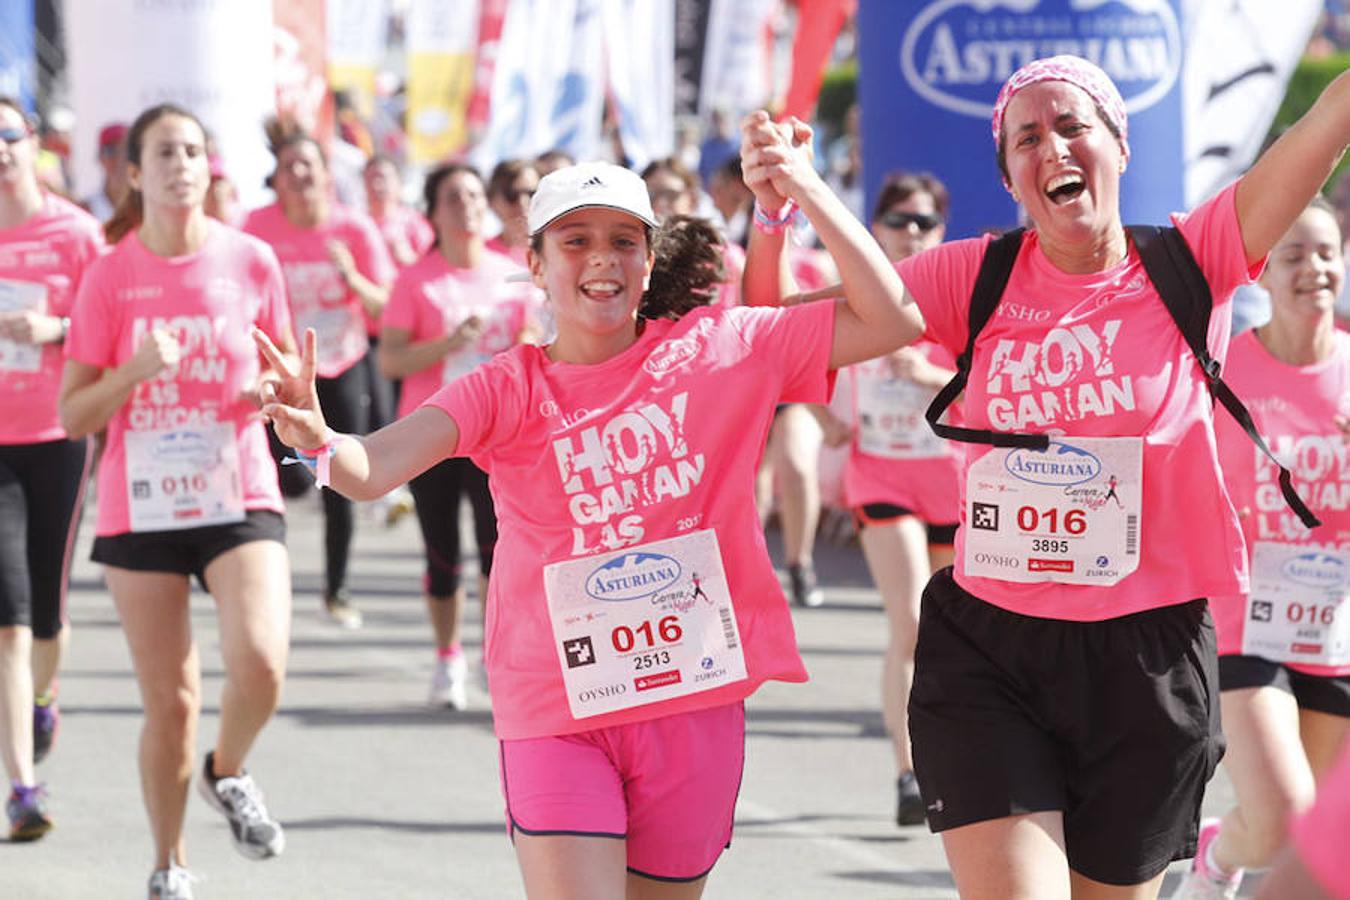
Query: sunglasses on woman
924, 221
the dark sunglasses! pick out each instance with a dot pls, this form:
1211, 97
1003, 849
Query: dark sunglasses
924, 221
13, 135
511, 195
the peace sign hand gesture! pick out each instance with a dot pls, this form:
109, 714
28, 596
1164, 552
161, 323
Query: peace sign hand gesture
291, 402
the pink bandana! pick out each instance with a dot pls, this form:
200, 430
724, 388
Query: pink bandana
1076, 71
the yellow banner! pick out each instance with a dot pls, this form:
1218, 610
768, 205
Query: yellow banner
439, 88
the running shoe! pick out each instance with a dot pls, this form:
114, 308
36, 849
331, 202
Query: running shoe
400, 504
909, 805
256, 834
27, 810
805, 591
342, 610
449, 682
46, 720
1202, 881
173, 883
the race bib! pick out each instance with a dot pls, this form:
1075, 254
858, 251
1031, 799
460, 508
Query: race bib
1067, 514
21, 296
183, 478
644, 624
466, 359
1296, 611
891, 420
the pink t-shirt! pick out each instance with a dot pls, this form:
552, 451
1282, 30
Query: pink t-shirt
431, 299
1321, 836
685, 412
1098, 355
894, 456
405, 227
41, 264
1293, 407
319, 297
209, 300
515, 254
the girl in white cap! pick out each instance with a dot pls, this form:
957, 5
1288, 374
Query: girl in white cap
633, 606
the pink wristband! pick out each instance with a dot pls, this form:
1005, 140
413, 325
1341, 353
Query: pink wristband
777, 223
319, 460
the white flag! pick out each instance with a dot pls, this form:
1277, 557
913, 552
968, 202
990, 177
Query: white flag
640, 48
548, 87
1239, 57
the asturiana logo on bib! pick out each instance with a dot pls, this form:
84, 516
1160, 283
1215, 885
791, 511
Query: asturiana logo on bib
1062, 464
957, 53
632, 576
1315, 570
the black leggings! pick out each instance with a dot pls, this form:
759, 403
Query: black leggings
346, 406
436, 493
41, 494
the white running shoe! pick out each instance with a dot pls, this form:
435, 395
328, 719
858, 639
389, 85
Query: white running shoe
449, 683
173, 883
256, 834
1202, 882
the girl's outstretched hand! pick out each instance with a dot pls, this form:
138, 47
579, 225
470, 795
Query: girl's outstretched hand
291, 402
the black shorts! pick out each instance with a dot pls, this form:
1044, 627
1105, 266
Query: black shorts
942, 535
1328, 694
1114, 723
187, 551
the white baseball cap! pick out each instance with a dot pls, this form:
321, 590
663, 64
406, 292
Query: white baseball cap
586, 186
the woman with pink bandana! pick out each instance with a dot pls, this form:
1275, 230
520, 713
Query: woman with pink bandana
1064, 712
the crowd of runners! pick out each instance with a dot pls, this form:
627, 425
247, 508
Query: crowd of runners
1098, 583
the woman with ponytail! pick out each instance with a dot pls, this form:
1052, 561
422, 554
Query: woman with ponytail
46, 244
158, 355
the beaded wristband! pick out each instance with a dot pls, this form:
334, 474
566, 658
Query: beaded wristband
775, 224
319, 460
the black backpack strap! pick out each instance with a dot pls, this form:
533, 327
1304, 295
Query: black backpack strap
1181, 283
995, 270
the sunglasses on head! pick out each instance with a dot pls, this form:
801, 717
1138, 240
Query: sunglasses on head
924, 221
13, 135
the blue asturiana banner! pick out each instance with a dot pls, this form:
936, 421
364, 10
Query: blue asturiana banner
18, 62
931, 69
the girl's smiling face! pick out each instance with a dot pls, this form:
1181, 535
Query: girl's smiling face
594, 264
1306, 271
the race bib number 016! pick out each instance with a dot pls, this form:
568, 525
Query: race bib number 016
1067, 514
891, 420
1296, 611
644, 624
183, 478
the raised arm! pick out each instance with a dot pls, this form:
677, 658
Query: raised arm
1279, 186
876, 316
362, 468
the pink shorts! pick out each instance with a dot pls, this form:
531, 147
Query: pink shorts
666, 786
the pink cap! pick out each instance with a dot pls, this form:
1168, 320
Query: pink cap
1076, 71
112, 134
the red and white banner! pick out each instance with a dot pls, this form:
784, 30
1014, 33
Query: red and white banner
818, 25
300, 52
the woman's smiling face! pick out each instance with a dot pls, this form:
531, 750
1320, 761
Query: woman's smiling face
1063, 161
